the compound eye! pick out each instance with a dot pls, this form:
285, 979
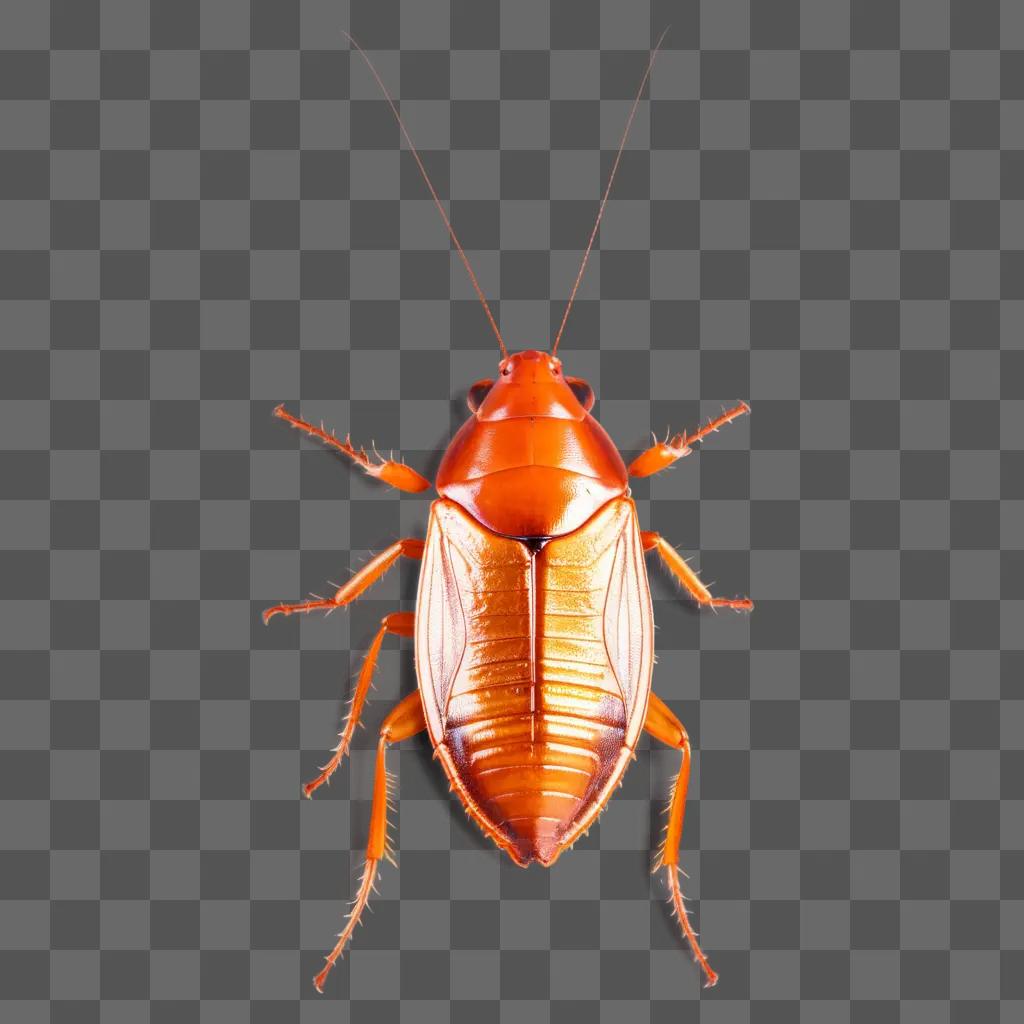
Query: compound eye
582, 390
478, 392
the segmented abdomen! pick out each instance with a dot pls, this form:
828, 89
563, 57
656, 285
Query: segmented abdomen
530, 699
533, 722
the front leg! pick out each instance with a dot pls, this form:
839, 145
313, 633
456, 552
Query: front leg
662, 454
676, 564
397, 474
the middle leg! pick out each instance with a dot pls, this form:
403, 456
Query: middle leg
365, 578
676, 564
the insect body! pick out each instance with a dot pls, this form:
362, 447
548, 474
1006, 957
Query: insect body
533, 626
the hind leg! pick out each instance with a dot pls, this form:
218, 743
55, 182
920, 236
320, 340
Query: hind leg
663, 725
404, 721
399, 623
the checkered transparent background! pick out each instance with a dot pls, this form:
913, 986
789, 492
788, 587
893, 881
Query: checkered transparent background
205, 211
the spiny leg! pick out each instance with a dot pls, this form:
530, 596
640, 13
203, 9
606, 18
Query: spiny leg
676, 564
662, 454
397, 474
663, 725
404, 721
399, 623
410, 547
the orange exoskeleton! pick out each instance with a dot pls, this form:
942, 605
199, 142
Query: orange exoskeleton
533, 627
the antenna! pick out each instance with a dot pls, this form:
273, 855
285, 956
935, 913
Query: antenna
437, 201
604, 199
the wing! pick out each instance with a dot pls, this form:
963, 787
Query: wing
469, 575
603, 563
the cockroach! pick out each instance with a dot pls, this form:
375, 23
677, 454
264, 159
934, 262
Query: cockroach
533, 627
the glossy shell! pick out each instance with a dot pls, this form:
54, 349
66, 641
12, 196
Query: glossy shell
534, 667
531, 461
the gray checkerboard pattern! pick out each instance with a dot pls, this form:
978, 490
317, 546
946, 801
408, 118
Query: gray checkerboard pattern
206, 211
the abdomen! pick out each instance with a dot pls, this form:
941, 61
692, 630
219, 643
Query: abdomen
534, 668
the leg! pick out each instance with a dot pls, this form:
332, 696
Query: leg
662, 454
405, 720
676, 564
361, 581
398, 474
399, 623
663, 725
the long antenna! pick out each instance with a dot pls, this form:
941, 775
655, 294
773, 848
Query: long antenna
604, 199
437, 201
